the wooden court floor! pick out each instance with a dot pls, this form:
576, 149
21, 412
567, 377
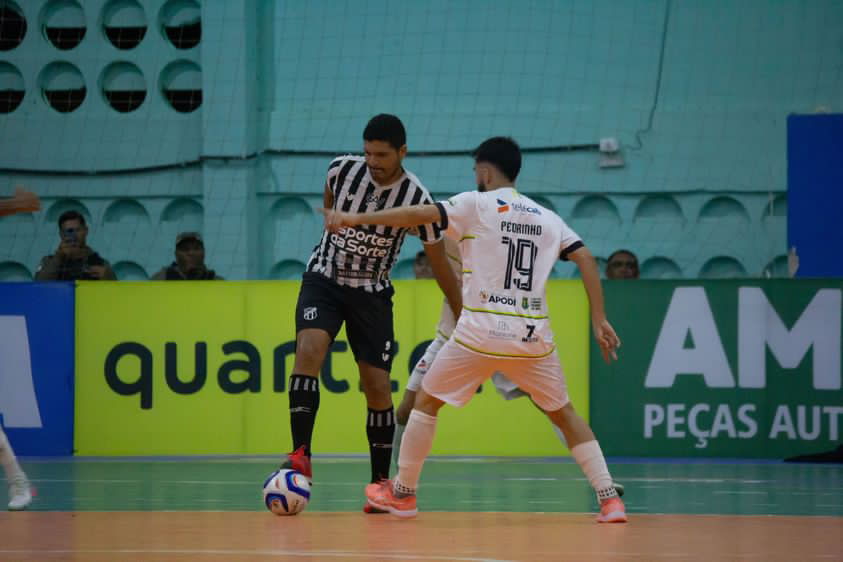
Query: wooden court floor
471, 509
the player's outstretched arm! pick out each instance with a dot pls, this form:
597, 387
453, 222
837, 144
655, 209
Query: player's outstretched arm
402, 217
22, 201
606, 337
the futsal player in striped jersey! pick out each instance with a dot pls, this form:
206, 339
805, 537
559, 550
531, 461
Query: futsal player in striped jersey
509, 246
347, 280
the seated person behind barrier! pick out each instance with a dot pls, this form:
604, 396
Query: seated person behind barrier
190, 261
73, 259
622, 264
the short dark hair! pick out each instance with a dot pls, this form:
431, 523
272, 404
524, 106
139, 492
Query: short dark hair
71, 216
503, 153
388, 128
622, 251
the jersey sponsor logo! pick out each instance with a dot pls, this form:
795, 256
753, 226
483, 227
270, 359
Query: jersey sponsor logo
310, 313
525, 209
354, 274
503, 206
492, 298
367, 244
501, 299
502, 331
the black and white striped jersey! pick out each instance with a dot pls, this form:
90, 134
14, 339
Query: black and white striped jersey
362, 256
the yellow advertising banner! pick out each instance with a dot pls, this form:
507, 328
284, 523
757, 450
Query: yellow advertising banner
187, 368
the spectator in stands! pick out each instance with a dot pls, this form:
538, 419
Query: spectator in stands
622, 264
190, 261
421, 266
73, 259
22, 201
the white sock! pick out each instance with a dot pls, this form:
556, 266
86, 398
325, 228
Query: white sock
415, 446
396, 441
590, 458
8, 460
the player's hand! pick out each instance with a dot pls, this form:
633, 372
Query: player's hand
607, 339
336, 220
26, 201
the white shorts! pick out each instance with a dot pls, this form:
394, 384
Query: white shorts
505, 387
425, 362
457, 372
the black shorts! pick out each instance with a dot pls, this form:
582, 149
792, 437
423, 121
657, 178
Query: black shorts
324, 304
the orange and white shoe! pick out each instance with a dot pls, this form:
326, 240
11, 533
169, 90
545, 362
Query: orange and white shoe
372, 510
612, 510
381, 496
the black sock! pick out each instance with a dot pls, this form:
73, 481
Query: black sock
304, 402
380, 427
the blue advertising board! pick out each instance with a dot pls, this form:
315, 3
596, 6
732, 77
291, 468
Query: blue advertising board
36, 366
814, 194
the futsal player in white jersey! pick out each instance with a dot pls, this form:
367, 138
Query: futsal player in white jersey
505, 387
509, 246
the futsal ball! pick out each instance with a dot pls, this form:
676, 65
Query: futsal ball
286, 492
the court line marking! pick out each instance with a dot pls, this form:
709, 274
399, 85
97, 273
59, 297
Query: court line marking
644, 479
365, 555
261, 552
741, 492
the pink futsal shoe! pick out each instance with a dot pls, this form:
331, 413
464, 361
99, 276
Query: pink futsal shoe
300, 462
381, 496
372, 510
612, 510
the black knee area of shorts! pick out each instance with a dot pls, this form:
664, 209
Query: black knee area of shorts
304, 402
380, 428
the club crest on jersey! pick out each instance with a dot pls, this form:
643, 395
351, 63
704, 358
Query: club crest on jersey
503, 206
525, 303
380, 200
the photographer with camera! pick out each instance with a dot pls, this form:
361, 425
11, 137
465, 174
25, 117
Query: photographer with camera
190, 261
73, 259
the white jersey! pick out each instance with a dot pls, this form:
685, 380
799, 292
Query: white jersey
509, 244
